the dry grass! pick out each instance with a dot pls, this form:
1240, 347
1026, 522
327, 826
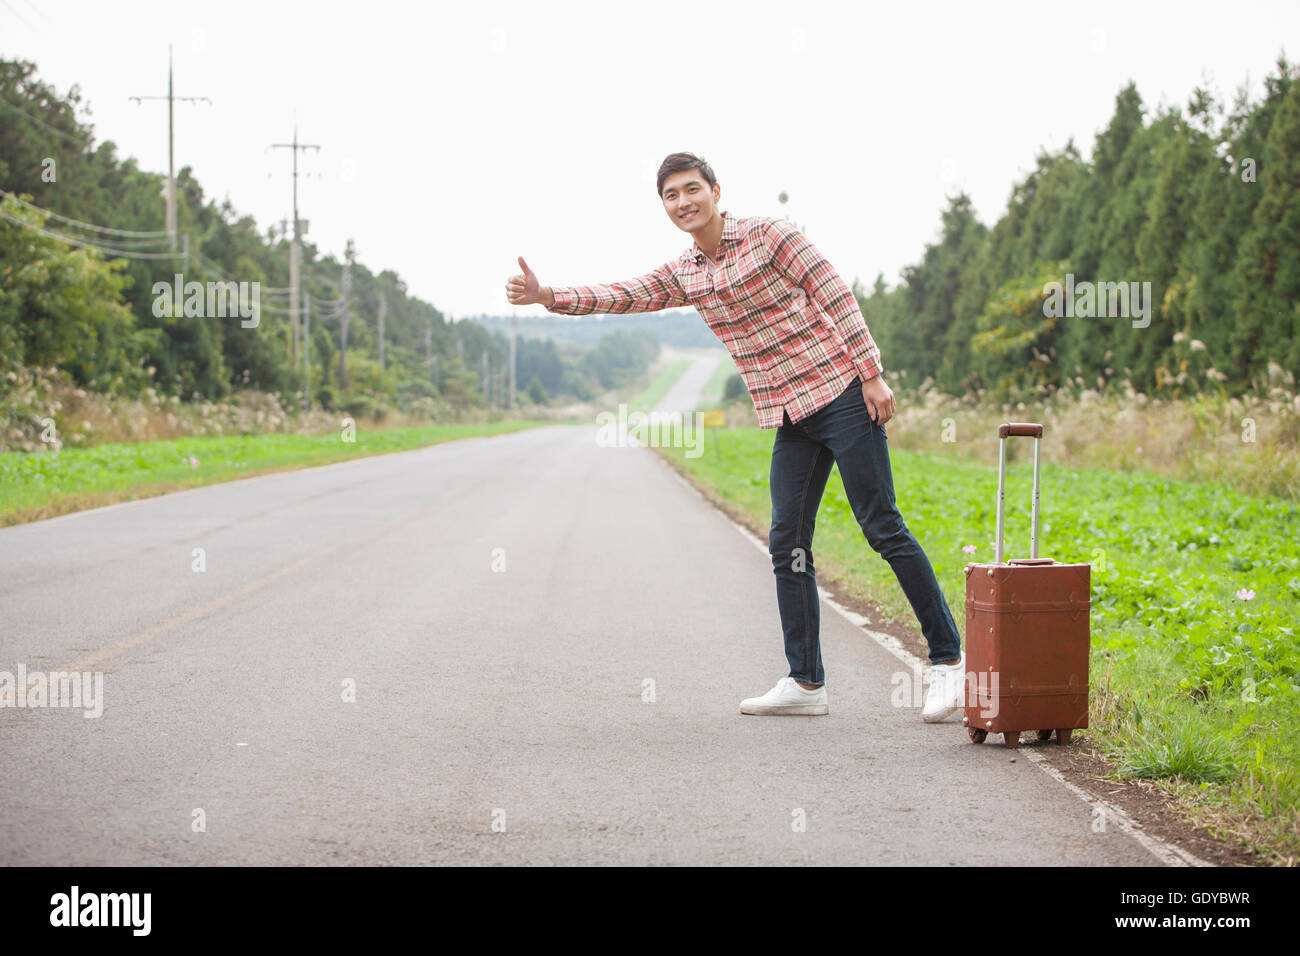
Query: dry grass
30, 398
1248, 442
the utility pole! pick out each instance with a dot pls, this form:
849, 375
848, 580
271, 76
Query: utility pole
350, 253
306, 346
430, 359
171, 143
514, 328
487, 382
293, 317
294, 266
383, 307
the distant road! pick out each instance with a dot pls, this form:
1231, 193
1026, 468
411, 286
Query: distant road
687, 392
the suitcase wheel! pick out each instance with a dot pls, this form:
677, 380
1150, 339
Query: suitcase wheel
977, 734
1063, 735
1045, 735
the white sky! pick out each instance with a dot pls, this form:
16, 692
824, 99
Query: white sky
457, 137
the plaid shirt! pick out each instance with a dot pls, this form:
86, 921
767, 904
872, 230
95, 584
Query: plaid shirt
790, 323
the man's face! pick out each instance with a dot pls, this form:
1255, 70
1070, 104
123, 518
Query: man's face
689, 200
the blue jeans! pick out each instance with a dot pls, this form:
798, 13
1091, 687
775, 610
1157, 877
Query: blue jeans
844, 434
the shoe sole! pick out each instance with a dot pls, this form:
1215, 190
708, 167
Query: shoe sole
791, 710
941, 716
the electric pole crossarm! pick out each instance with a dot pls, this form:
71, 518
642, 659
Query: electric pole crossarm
171, 99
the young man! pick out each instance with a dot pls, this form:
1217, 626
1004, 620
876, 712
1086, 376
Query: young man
814, 373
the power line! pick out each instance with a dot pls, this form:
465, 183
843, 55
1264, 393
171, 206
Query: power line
208, 265
20, 17
53, 129
89, 226
36, 10
111, 251
114, 242
132, 245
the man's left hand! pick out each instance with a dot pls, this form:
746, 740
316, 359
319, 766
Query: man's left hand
879, 398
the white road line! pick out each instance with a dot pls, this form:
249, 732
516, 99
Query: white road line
1166, 852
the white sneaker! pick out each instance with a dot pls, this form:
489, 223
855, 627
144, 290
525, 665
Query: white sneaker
787, 697
946, 692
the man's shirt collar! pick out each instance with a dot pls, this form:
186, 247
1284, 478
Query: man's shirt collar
730, 231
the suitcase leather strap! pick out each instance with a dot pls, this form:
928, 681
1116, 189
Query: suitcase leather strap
1072, 606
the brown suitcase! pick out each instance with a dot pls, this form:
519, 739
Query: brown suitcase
1027, 636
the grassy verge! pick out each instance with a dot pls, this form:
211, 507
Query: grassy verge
1195, 665
45, 483
41, 485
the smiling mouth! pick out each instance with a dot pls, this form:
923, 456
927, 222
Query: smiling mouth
688, 215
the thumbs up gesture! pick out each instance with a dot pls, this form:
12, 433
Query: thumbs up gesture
524, 289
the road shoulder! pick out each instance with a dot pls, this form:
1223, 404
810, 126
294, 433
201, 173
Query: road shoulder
1149, 804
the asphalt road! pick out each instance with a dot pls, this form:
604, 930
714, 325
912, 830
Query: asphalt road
498, 605
686, 391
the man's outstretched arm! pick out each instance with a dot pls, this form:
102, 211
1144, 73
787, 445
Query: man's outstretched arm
648, 293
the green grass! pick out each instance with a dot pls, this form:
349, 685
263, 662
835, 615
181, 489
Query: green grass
1179, 747
1179, 661
40, 485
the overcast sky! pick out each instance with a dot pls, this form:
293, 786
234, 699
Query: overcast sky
456, 137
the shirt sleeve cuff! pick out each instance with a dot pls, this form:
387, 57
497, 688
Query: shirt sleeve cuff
563, 299
869, 367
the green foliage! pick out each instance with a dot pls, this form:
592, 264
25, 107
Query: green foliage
1200, 204
61, 307
620, 357
1178, 748
1268, 304
1014, 333
68, 309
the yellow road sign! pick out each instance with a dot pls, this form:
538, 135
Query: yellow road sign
713, 418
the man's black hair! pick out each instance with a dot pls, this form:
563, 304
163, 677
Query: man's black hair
677, 162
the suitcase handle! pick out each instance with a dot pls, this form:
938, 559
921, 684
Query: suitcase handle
1020, 429
1017, 430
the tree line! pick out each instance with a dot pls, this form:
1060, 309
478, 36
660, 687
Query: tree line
1178, 241
1168, 260
94, 315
